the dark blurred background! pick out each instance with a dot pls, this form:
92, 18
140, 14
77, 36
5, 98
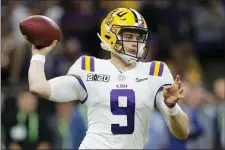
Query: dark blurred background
189, 35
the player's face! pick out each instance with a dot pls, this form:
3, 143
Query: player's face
131, 42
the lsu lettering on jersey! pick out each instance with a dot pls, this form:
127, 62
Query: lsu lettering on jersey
119, 104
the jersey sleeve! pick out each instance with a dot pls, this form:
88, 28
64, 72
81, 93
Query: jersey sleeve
69, 87
167, 79
161, 70
82, 65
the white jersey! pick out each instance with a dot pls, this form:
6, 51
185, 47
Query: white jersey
119, 104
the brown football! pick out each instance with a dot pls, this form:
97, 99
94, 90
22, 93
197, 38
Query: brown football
40, 30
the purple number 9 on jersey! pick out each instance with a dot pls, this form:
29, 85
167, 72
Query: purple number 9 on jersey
128, 111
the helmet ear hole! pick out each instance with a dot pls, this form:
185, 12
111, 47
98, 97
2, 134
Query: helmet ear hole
111, 43
108, 37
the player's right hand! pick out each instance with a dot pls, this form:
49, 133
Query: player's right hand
44, 50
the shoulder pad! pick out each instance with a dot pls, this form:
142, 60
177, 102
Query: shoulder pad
87, 63
156, 68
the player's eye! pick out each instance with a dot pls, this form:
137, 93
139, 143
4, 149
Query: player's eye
138, 38
128, 36
141, 37
133, 37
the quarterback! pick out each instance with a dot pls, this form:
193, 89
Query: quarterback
120, 93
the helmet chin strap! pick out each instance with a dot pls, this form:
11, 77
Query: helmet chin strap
127, 59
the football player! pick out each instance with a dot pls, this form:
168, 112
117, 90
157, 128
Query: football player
120, 93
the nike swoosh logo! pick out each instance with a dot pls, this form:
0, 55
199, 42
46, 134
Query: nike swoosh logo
140, 80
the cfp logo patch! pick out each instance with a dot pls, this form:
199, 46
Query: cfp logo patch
98, 77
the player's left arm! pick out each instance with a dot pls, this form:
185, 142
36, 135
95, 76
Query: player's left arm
166, 101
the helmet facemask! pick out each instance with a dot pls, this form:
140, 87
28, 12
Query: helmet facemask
142, 42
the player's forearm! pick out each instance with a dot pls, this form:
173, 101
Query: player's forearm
37, 79
179, 125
